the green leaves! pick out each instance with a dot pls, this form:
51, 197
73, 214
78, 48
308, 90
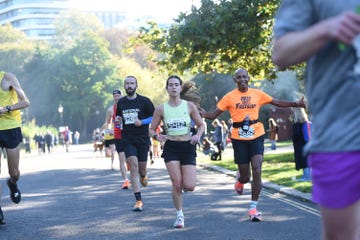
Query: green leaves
219, 36
16, 50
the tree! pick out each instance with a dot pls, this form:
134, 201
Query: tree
16, 50
121, 45
83, 75
71, 25
77, 70
219, 36
39, 86
80, 78
118, 38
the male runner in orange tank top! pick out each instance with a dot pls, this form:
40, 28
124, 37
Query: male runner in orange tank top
247, 135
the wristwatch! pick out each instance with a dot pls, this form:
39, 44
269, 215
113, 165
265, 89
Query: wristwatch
8, 108
155, 137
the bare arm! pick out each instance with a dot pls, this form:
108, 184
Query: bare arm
156, 120
210, 115
109, 115
108, 119
12, 81
195, 116
283, 103
296, 47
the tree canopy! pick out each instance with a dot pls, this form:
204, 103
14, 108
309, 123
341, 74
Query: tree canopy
77, 70
219, 36
84, 63
16, 50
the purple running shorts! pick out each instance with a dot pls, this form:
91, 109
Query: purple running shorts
336, 178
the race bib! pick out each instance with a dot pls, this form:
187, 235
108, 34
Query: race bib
246, 134
130, 117
177, 124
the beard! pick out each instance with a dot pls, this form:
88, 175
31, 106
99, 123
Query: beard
130, 92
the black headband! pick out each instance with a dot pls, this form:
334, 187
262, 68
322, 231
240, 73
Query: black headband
117, 92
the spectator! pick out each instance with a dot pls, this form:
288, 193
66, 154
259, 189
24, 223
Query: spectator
76, 137
48, 139
225, 135
208, 146
273, 133
300, 136
218, 137
67, 138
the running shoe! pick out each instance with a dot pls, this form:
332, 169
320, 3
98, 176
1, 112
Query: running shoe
126, 184
2, 222
15, 193
180, 222
254, 215
138, 206
239, 187
144, 180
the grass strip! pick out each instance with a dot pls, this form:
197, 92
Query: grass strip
277, 168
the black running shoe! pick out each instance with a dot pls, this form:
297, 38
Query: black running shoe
15, 193
2, 222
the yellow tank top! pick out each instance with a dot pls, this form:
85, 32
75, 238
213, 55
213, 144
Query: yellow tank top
9, 120
177, 119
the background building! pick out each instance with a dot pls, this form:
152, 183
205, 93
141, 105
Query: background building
282, 118
36, 17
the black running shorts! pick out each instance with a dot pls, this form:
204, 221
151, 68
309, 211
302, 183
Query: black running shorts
245, 149
10, 138
185, 152
119, 145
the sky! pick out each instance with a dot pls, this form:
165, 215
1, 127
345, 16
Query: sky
164, 10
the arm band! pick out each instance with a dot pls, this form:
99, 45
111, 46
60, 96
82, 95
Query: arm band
146, 120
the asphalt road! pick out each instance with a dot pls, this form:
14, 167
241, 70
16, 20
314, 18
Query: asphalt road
75, 195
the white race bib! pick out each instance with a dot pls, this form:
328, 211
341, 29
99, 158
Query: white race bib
130, 118
246, 134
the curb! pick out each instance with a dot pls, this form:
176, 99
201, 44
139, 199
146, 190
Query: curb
266, 184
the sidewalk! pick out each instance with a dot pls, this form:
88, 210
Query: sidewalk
266, 184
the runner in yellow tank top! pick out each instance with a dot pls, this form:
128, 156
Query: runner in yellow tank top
179, 151
12, 99
247, 135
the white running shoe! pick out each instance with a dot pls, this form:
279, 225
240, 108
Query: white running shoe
180, 222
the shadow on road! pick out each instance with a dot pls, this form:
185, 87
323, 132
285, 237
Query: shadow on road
83, 200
